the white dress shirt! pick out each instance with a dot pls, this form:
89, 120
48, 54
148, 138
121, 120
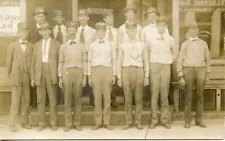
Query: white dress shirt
45, 50
23, 46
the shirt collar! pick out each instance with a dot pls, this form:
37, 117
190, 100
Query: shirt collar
85, 27
57, 26
46, 40
72, 41
22, 41
152, 24
111, 27
194, 39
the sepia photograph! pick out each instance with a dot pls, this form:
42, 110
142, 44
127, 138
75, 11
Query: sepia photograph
112, 70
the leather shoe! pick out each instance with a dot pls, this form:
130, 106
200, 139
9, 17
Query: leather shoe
26, 126
67, 128
152, 126
127, 126
78, 127
40, 128
54, 128
139, 126
109, 127
96, 127
201, 124
187, 124
12, 128
166, 125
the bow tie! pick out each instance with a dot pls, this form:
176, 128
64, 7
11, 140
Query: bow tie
194, 39
72, 42
160, 38
23, 43
101, 42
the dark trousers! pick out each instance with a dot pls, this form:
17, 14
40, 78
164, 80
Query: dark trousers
194, 76
87, 91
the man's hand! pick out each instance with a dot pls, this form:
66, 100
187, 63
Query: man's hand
60, 82
182, 81
32, 83
89, 81
207, 76
146, 81
84, 81
113, 79
119, 82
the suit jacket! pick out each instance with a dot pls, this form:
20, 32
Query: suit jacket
36, 70
17, 61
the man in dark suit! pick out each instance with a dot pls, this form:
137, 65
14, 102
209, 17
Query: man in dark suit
44, 74
18, 64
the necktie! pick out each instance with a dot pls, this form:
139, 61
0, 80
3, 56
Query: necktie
72, 42
110, 34
101, 42
59, 36
82, 36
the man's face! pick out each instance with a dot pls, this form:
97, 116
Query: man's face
23, 34
83, 19
71, 31
152, 17
40, 17
109, 20
101, 33
161, 27
131, 32
193, 31
45, 33
130, 15
59, 19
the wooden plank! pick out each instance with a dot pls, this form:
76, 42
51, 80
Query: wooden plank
75, 10
218, 99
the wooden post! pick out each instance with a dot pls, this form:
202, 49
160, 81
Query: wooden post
23, 11
176, 37
218, 99
215, 34
74, 10
161, 7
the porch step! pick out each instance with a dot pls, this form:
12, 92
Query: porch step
118, 116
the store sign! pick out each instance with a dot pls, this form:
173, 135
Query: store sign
9, 18
202, 5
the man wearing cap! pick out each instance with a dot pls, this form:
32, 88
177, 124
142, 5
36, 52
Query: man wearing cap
60, 34
133, 74
39, 17
44, 74
150, 30
59, 31
162, 52
18, 62
86, 35
112, 36
102, 75
130, 13
72, 76
193, 69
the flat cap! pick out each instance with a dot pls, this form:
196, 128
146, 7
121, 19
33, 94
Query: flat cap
83, 12
22, 26
44, 25
59, 12
100, 25
71, 24
151, 10
39, 10
129, 7
130, 26
108, 12
162, 19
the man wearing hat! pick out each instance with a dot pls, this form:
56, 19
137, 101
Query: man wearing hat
44, 74
102, 75
85, 35
193, 69
133, 74
112, 36
150, 29
59, 31
18, 62
162, 52
130, 13
72, 75
60, 34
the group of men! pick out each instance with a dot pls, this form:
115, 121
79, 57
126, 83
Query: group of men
131, 57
